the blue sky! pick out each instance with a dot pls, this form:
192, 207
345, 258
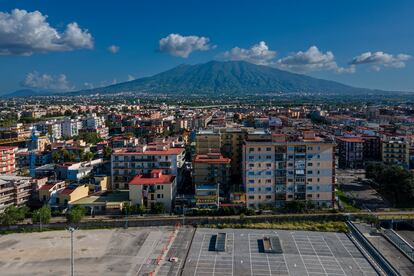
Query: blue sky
361, 43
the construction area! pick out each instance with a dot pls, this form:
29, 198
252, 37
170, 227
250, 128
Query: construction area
182, 251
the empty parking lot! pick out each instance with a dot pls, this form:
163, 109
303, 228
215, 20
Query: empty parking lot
304, 253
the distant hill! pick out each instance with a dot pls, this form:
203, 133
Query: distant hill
228, 77
28, 93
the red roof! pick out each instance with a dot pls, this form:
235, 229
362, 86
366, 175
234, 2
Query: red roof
211, 158
47, 187
148, 179
350, 139
171, 151
67, 190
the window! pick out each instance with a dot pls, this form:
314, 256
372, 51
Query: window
158, 195
268, 197
309, 172
251, 149
309, 179
268, 157
251, 189
268, 149
310, 164
251, 181
310, 148
251, 197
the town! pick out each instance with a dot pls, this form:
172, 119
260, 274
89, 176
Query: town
187, 138
82, 163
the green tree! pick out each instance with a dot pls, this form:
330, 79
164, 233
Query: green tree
395, 183
75, 215
107, 151
42, 215
159, 208
56, 157
13, 215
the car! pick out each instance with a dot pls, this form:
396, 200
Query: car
173, 259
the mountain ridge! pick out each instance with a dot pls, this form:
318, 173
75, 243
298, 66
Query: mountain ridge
227, 77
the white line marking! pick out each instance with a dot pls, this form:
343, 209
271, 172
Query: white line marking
250, 253
300, 255
199, 254
336, 260
232, 257
317, 256
337, 236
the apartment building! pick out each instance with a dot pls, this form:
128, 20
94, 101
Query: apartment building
126, 163
212, 168
229, 142
276, 169
14, 190
351, 152
396, 150
71, 127
7, 159
148, 189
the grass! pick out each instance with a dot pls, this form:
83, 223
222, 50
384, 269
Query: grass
320, 226
346, 201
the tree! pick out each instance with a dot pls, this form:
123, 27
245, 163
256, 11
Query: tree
295, 206
75, 215
159, 208
13, 215
42, 215
107, 151
395, 183
88, 156
55, 157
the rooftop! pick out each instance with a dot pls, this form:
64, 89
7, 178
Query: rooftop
154, 178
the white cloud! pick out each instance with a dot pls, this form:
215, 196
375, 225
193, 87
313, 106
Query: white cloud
88, 85
35, 80
113, 49
312, 60
183, 46
258, 54
378, 59
131, 78
25, 33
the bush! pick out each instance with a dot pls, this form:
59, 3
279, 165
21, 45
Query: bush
75, 215
42, 215
13, 215
159, 208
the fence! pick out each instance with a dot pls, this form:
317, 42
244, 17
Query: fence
372, 251
400, 243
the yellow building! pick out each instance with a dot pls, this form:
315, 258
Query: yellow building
148, 189
72, 193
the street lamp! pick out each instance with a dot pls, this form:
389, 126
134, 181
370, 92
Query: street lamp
72, 261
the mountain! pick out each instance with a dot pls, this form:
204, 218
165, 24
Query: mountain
230, 77
28, 93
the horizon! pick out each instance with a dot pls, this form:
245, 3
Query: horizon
367, 45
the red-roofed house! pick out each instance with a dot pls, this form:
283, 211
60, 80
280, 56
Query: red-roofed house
127, 163
155, 187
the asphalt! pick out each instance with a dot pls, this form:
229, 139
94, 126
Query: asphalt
304, 253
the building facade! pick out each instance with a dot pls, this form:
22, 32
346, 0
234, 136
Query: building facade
351, 152
14, 190
277, 170
396, 151
127, 163
148, 189
7, 159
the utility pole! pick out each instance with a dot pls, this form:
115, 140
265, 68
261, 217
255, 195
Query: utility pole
72, 260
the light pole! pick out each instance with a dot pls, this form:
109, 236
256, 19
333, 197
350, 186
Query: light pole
72, 260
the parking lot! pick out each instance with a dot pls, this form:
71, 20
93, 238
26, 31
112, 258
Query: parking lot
130, 251
304, 253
